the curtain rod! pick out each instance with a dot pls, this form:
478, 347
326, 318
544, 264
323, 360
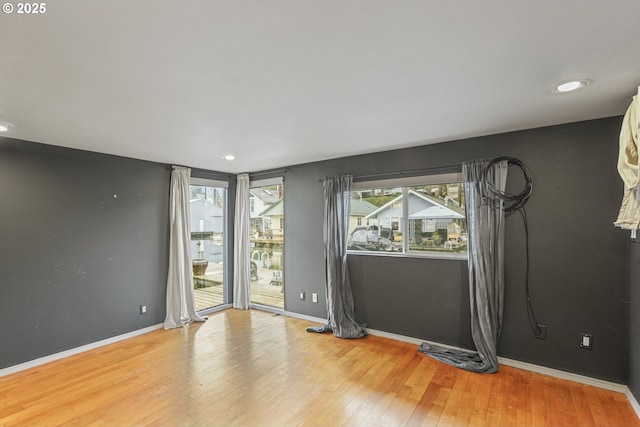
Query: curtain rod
408, 172
208, 174
269, 172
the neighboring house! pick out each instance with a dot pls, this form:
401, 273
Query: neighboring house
358, 212
259, 200
426, 215
207, 226
275, 216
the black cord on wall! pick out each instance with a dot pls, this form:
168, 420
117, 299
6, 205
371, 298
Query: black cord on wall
515, 203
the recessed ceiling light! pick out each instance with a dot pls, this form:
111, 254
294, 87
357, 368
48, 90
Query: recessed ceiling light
4, 128
229, 157
571, 86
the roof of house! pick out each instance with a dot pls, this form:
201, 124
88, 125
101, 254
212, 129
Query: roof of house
276, 209
361, 207
435, 212
267, 196
431, 199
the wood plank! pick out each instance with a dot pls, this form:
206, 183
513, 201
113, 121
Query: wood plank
259, 369
262, 292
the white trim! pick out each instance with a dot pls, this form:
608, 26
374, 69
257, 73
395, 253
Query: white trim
410, 340
212, 310
396, 337
563, 375
57, 356
413, 254
267, 308
607, 385
632, 400
305, 317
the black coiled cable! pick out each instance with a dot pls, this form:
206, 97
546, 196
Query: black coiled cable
515, 203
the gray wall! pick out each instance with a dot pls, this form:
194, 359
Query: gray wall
579, 277
634, 320
83, 243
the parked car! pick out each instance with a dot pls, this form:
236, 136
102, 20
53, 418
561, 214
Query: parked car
371, 238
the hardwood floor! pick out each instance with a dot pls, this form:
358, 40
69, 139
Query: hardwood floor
251, 368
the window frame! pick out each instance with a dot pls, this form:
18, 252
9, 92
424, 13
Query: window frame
405, 183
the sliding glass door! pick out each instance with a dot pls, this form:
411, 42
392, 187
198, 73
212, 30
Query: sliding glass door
266, 205
207, 209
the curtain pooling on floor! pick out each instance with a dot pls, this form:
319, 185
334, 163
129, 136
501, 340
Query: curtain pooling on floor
485, 222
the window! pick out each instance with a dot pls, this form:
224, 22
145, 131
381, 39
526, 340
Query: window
417, 216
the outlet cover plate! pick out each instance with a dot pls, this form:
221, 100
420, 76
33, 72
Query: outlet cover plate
586, 341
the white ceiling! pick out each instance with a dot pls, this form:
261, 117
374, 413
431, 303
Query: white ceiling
283, 82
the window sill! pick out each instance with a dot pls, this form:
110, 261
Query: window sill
431, 255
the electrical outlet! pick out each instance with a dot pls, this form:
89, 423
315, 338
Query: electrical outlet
586, 341
314, 297
542, 332
302, 296
143, 309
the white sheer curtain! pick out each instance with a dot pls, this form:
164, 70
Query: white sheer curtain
180, 305
241, 267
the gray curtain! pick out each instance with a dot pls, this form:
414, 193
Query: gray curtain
485, 222
340, 306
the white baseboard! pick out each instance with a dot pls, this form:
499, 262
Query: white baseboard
288, 313
57, 356
215, 309
410, 340
632, 400
569, 376
305, 317
267, 308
